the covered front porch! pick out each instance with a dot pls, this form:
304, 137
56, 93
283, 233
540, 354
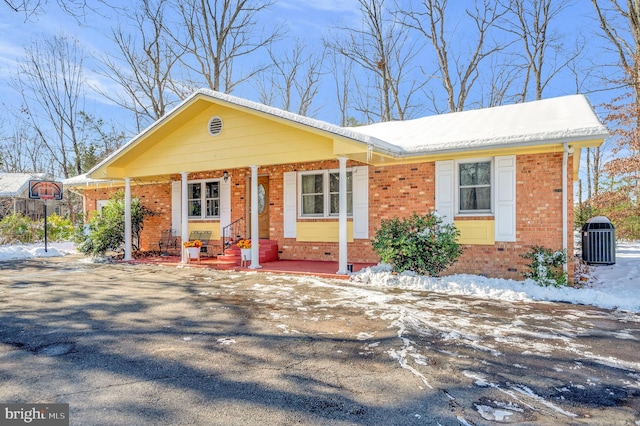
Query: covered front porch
218, 156
317, 268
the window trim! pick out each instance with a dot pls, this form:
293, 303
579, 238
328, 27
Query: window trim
203, 199
470, 213
325, 193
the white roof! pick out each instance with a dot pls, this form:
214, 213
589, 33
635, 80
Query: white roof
84, 180
562, 119
15, 184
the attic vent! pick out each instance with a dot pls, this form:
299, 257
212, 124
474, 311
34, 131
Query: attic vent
215, 126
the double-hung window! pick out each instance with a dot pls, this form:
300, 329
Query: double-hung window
320, 193
474, 187
204, 199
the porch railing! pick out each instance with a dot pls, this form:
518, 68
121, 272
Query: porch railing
232, 233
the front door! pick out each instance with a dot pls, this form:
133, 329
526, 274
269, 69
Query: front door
263, 207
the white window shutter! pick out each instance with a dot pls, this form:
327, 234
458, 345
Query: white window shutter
361, 202
225, 205
445, 190
505, 193
176, 209
290, 196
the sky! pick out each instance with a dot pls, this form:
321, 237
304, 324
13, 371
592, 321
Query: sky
17, 32
309, 20
606, 286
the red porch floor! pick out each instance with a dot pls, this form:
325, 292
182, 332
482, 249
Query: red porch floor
297, 267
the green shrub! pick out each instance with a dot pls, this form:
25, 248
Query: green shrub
546, 266
18, 229
58, 228
418, 243
105, 231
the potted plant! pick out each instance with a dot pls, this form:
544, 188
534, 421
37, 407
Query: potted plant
245, 249
193, 249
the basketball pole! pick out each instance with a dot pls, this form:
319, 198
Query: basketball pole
45, 225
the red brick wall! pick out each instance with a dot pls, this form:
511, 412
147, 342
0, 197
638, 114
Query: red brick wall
397, 190
538, 220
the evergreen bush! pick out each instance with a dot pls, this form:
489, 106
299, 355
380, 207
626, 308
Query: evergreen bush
546, 266
17, 229
20, 229
105, 231
59, 228
422, 244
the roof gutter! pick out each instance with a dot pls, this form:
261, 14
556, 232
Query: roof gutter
535, 142
565, 162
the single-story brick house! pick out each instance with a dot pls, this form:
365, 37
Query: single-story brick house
504, 176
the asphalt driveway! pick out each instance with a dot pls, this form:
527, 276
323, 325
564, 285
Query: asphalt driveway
141, 344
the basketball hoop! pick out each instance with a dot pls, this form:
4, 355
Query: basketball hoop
45, 190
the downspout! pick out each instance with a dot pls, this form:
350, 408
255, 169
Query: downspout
565, 161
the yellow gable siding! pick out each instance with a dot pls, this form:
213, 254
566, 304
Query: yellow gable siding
245, 140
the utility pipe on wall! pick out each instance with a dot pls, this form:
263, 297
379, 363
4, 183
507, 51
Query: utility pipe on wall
565, 162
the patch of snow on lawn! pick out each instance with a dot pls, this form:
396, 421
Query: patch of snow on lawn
611, 286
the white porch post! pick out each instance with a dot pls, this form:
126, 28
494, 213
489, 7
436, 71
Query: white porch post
184, 220
342, 218
255, 231
127, 219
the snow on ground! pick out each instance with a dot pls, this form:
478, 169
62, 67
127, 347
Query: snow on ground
27, 251
610, 286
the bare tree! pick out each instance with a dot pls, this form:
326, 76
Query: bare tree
620, 25
498, 79
19, 153
51, 83
292, 80
383, 48
144, 66
532, 21
219, 33
457, 74
341, 70
100, 139
75, 8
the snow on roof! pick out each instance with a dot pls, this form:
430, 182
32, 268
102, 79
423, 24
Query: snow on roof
14, 184
85, 180
561, 119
